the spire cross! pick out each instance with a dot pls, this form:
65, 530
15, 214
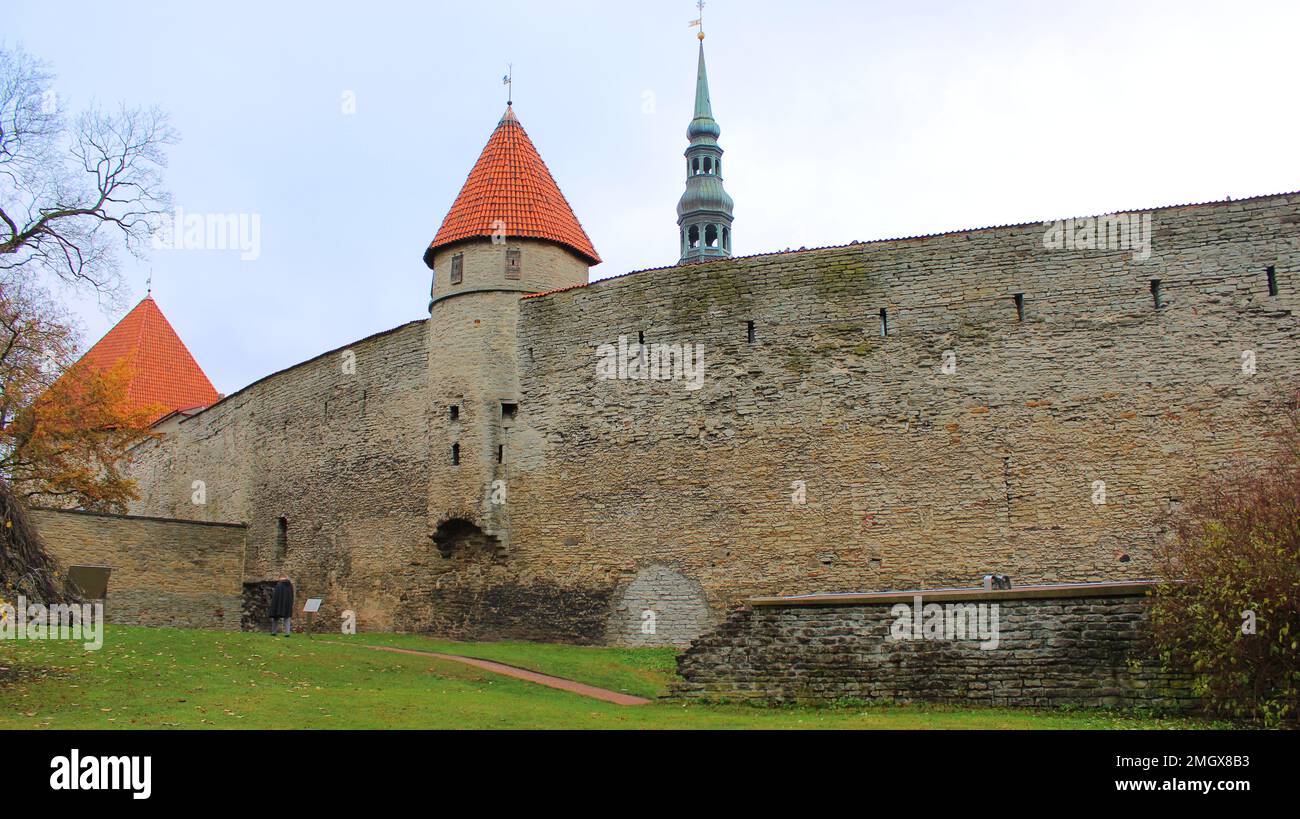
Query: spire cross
509, 81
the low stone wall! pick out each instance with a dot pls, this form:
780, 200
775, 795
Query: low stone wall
165, 572
1077, 645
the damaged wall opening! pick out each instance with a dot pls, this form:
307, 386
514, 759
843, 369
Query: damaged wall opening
457, 537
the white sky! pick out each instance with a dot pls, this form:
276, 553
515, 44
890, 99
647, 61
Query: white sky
841, 121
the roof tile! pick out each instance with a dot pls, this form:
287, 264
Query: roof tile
163, 373
511, 184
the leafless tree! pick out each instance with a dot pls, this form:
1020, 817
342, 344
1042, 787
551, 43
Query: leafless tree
68, 194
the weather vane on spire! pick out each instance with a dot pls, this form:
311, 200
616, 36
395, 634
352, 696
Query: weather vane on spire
699, 22
509, 81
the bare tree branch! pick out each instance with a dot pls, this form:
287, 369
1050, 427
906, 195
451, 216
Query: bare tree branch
69, 195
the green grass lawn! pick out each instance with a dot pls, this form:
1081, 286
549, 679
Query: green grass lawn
166, 678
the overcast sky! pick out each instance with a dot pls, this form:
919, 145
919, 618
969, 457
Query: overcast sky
841, 121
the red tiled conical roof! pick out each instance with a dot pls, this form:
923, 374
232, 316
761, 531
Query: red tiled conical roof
163, 373
510, 184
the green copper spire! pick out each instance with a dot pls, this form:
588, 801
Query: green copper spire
703, 123
704, 213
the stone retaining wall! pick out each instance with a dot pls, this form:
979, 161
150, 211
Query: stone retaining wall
1071, 645
172, 573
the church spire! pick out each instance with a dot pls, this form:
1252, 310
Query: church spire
704, 213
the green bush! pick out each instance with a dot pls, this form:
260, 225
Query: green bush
1234, 557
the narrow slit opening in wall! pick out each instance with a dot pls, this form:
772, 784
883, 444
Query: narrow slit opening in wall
281, 536
749, 332
1155, 294
1020, 306
509, 411
640, 337
455, 454
1272, 281
453, 412
501, 453
884, 323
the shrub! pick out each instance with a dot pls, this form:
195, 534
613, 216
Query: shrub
1233, 562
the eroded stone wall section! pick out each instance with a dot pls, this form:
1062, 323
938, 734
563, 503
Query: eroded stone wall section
659, 607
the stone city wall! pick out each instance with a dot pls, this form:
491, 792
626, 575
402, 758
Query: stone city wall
1039, 437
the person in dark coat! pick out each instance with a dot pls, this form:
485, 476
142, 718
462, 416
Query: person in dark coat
282, 605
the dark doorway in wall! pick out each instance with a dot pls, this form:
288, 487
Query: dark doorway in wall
255, 607
461, 538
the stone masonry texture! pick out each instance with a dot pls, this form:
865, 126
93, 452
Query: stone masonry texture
171, 573
1052, 652
631, 494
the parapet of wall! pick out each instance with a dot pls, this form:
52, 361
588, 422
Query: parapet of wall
1081, 645
338, 448
824, 456
172, 573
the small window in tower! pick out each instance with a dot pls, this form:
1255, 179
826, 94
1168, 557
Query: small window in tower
1020, 306
455, 454
1272, 281
711, 235
695, 166
884, 323
458, 268
1155, 294
708, 165
514, 261
694, 236
501, 453
281, 537
726, 239
509, 411
453, 412
750, 334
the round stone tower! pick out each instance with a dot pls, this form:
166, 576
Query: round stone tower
510, 232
